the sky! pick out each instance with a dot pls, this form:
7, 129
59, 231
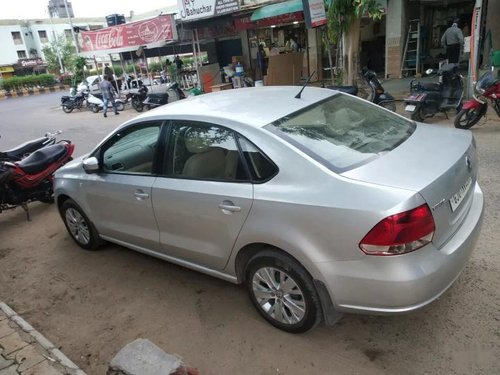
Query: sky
25, 9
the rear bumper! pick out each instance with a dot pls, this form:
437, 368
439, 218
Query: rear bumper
399, 284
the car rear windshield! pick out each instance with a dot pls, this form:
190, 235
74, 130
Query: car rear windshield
343, 132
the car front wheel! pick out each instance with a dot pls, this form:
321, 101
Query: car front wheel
79, 226
283, 292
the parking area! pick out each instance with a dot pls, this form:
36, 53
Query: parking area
94, 303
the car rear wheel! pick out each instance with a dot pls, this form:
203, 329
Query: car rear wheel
283, 292
79, 226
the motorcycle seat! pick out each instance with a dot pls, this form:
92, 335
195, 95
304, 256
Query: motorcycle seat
430, 86
40, 159
25, 148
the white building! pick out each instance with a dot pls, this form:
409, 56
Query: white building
22, 41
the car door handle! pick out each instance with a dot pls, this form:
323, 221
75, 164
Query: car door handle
229, 207
140, 195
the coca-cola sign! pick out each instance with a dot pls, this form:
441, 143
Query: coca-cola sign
153, 32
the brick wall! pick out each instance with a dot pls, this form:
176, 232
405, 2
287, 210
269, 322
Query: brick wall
394, 51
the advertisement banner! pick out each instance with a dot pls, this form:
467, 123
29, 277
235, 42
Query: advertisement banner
314, 13
191, 10
154, 32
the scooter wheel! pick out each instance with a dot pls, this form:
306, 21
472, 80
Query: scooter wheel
67, 109
138, 106
119, 106
94, 109
467, 118
417, 115
391, 106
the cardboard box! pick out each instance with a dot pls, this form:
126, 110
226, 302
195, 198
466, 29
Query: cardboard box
285, 69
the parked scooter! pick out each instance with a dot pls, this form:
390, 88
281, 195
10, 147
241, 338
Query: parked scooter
156, 99
428, 98
487, 88
137, 97
71, 102
31, 178
23, 150
377, 95
96, 103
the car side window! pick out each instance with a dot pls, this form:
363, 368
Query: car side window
132, 150
203, 152
261, 168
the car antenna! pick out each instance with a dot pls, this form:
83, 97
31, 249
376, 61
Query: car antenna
305, 84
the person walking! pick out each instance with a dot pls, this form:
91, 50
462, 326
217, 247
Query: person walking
108, 94
453, 41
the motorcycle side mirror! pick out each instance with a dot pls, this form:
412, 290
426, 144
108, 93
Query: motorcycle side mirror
91, 165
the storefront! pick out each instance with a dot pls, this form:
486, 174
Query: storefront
29, 66
6, 71
280, 29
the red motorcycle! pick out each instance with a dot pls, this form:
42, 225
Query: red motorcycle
31, 178
487, 88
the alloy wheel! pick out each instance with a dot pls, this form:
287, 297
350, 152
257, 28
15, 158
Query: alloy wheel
77, 226
278, 295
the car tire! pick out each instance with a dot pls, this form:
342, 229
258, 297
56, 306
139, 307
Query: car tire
282, 291
79, 226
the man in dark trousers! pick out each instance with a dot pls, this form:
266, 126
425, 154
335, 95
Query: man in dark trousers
453, 40
108, 94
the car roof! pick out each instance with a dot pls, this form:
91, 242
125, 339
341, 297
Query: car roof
255, 106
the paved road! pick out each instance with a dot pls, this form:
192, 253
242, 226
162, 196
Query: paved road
93, 303
29, 117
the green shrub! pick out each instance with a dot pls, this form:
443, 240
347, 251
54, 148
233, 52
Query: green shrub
118, 70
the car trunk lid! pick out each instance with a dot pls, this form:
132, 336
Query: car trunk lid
440, 164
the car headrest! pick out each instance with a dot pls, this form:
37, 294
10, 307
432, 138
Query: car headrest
197, 141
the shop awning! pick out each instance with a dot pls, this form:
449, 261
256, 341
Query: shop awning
273, 10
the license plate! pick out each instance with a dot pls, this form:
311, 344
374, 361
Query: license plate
459, 196
410, 108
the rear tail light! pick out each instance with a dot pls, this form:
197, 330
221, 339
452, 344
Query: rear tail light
400, 233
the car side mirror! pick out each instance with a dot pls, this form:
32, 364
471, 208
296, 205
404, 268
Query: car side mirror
91, 165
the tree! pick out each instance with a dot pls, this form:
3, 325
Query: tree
60, 52
343, 30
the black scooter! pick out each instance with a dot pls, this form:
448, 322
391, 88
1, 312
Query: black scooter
378, 95
172, 94
428, 98
137, 97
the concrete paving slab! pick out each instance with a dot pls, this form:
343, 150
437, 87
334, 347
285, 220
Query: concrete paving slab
27, 358
12, 343
43, 368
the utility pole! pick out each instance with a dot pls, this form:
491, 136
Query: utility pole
71, 25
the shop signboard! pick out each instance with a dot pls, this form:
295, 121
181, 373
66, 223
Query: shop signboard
27, 63
191, 10
6, 69
314, 13
150, 33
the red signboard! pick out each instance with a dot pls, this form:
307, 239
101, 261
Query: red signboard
244, 23
153, 32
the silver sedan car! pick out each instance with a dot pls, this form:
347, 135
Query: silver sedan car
320, 204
